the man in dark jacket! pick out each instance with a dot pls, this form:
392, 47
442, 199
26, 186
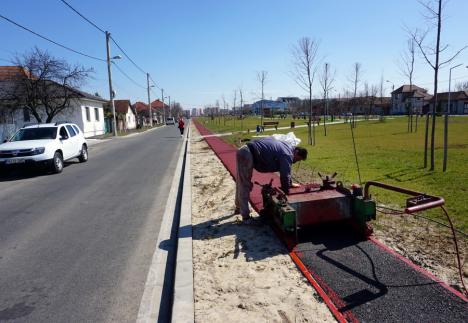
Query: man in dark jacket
267, 155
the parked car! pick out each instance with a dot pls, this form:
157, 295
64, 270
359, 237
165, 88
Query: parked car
170, 120
48, 144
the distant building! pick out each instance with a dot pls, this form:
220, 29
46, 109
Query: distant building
126, 118
409, 95
458, 102
292, 102
269, 107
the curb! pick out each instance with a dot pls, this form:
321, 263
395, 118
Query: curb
151, 303
183, 303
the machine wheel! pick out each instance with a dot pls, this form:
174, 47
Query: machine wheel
83, 155
57, 163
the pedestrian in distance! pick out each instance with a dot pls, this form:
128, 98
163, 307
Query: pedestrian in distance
181, 126
266, 155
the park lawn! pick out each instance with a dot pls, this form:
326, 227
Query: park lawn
230, 124
388, 153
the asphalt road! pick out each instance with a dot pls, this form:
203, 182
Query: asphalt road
76, 247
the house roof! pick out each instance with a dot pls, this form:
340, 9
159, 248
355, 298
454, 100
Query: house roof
158, 104
454, 96
121, 106
140, 106
409, 89
9, 73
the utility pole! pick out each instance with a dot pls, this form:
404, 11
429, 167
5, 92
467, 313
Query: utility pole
163, 106
150, 112
169, 103
111, 92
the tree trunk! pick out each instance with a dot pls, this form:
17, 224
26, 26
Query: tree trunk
426, 138
436, 74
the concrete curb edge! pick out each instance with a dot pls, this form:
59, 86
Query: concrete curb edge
151, 300
183, 306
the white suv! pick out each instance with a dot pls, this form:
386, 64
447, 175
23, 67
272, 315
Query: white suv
50, 144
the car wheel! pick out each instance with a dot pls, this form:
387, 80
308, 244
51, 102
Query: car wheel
83, 155
57, 163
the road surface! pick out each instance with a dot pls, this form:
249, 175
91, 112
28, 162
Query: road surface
76, 247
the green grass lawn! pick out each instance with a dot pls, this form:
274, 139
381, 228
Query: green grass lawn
387, 153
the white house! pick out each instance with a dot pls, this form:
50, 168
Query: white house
126, 117
84, 109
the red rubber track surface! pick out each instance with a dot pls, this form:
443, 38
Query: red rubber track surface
227, 154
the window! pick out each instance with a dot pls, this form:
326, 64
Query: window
35, 134
63, 133
88, 115
465, 108
26, 116
96, 114
77, 130
71, 131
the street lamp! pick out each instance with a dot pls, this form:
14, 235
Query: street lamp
447, 111
393, 89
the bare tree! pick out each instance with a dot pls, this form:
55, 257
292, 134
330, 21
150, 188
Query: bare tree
305, 54
223, 113
355, 79
407, 69
241, 95
462, 86
431, 54
176, 109
48, 86
326, 80
381, 95
262, 78
234, 106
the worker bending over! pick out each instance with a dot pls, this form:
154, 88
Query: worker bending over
267, 155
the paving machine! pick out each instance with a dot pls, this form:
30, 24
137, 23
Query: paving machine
331, 201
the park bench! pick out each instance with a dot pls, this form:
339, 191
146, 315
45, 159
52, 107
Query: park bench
271, 123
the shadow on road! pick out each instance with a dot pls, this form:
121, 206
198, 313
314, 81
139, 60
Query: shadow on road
17, 173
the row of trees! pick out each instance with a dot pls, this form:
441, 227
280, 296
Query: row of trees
308, 66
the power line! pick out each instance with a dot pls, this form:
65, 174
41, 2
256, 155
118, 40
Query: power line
131, 60
50, 40
101, 30
82, 16
154, 82
128, 77
113, 40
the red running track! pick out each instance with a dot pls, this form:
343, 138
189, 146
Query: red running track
324, 281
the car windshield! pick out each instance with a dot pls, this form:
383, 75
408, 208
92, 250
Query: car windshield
35, 134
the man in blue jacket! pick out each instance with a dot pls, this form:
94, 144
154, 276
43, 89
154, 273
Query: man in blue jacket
267, 155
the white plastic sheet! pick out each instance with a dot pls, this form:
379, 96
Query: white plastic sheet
290, 138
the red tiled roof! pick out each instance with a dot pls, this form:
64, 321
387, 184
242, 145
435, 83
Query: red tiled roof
157, 104
8, 73
140, 106
121, 106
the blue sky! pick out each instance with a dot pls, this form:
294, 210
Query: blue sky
200, 51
